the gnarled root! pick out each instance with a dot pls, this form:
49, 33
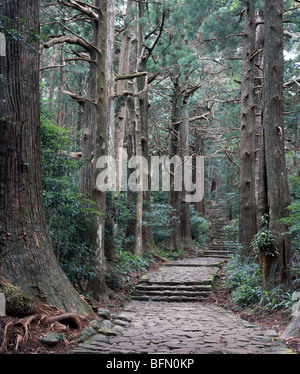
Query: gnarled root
71, 319
25, 322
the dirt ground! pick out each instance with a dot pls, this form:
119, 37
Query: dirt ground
13, 330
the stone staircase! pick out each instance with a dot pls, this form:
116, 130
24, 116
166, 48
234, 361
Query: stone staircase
191, 279
188, 280
217, 247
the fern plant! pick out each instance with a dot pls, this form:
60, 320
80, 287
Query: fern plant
263, 240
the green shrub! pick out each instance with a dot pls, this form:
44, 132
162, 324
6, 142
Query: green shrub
232, 232
263, 240
161, 219
278, 300
244, 279
68, 214
199, 228
121, 270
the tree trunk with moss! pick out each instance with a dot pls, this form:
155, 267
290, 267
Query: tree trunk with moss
27, 257
275, 267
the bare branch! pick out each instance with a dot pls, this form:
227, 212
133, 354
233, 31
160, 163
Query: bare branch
131, 76
68, 40
80, 41
52, 67
79, 98
82, 7
160, 30
80, 59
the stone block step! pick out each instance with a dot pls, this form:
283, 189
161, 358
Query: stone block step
218, 251
185, 283
181, 288
170, 299
163, 293
217, 256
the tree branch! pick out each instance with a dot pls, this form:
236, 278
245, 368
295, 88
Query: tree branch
161, 27
81, 6
78, 98
52, 67
68, 40
80, 41
131, 76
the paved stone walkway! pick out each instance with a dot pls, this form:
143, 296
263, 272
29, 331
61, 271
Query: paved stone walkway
159, 325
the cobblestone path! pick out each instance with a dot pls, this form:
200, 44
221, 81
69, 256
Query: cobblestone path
166, 316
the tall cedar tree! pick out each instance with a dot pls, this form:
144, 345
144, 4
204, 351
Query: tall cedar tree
275, 266
27, 257
247, 221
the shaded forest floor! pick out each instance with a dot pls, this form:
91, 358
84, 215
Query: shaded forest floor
118, 299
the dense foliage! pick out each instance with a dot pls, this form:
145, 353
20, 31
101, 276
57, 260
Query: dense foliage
201, 45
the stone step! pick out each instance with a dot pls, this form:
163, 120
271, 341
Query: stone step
217, 255
185, 283
218, 251
170, 299
163, 293
179, 288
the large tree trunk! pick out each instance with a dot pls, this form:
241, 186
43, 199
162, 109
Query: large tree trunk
27, 257
247, 203
276, 268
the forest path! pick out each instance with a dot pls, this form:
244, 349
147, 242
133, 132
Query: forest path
167, 316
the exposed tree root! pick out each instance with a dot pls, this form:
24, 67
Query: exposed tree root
58, 322
71, 319
25, 323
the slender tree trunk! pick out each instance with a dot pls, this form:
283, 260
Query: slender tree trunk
276, 268
175, 239
121, 99
258, 82
139, 198
247, 203
187, 241
59, 115
109, 237
148, 240
200, 206
27, 257
97, 284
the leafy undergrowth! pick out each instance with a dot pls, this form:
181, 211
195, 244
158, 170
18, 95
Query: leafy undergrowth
276, 319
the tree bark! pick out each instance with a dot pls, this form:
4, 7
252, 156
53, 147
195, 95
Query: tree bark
27, 257
187, 241
258, 82
97, 284
247, 203
121, 99
175, 239
275, 269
